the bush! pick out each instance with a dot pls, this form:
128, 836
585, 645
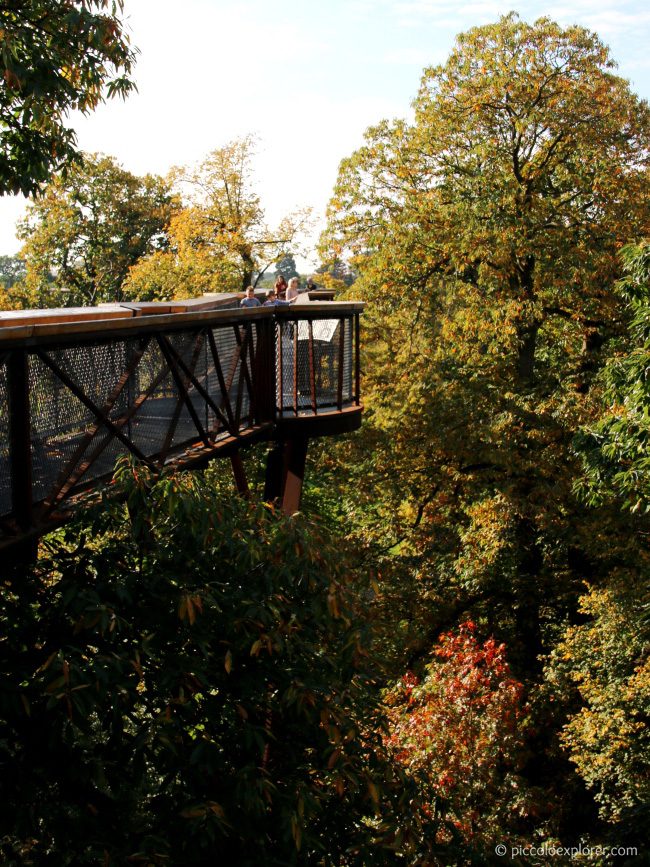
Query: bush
184, 677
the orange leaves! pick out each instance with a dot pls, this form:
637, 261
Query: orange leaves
200, 811
461, 725
188, 606
333, 759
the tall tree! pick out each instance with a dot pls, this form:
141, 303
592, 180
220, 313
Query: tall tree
56, 55
88, 228
224, 236
486, 235
286, 266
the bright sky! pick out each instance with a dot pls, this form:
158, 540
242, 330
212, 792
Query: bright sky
306, 76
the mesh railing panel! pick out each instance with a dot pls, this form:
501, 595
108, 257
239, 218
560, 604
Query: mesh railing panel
59, 418
70, 442
153, 391
190, 347
312, 368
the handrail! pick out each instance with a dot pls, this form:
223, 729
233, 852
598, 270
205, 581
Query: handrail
174, 387
52, 325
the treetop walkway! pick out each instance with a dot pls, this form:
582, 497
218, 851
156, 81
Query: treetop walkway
174, 384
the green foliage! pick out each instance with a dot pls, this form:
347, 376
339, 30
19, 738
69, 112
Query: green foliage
606, 660
184, 679
220, 240
615, 449
86, 231
55, 56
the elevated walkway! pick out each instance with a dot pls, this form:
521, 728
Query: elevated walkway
173, 384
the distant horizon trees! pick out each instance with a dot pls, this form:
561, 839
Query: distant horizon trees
286, 267
87, 229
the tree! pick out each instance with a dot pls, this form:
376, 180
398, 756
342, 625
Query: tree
185, 677
223, 237
188, 266
286, 267
12, 269
486, 236
461, 730
337, 274
614, 449
56, 56
82, 236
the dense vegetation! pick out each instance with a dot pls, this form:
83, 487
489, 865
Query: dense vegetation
56, 56
448, 649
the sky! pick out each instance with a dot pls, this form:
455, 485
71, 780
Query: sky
306, 77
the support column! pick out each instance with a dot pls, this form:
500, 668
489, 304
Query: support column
20, 453
273, 480
285, 473
239, 474
295, 455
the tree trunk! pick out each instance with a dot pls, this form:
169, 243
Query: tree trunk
248, 268
526, 358
526, 333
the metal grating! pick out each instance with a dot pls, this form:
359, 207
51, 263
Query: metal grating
154, 396
313, 364
60, 420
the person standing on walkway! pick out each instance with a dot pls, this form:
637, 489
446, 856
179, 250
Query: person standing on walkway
293, 289
280, 287
250, 300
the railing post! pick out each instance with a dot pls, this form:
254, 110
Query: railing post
293, 472
357, 360
264, 370
20, 451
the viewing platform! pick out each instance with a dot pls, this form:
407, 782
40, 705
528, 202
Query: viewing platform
174, 384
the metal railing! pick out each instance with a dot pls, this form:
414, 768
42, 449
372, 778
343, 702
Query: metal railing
168, 386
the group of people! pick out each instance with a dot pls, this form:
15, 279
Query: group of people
282, 294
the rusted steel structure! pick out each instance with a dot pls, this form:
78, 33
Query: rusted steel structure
172, 384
